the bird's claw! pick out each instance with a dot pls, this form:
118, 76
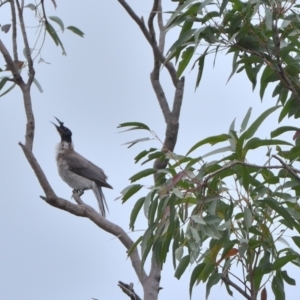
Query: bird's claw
79, 192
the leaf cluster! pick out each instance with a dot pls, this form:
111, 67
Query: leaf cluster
195, 214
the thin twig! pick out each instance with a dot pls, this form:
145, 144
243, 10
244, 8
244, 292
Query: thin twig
291, 170
14, 31
26, 43
226, 280
128, 290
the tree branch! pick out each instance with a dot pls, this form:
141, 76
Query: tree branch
157, 52
26, 44
10, 64
85, 211
128, 290
226, 280
291, 170
14, 31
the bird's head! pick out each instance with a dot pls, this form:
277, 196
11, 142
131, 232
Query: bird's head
65, 133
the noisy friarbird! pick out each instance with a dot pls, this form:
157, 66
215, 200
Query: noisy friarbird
78, 172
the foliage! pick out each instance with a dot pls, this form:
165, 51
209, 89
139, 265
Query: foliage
262, 36
225, 216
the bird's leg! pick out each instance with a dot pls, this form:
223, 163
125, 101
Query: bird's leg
76, 196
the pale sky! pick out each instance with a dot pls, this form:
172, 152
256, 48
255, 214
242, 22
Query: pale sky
103, 81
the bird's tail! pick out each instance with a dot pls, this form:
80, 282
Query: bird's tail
100, 198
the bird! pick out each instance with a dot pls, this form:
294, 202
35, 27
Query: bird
78, 172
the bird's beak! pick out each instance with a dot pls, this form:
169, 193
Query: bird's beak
60, 124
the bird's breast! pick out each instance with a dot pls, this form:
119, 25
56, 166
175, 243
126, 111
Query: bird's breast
72, 179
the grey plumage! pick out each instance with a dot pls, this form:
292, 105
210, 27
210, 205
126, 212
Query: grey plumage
78, 172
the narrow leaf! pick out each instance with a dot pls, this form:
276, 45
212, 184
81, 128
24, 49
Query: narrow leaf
76, 30
134, 125
246, 119
182, 266
58, 21
131, 190
282, 130
210, 140
282, 261
248, 217
135, 211
186, 57
38, 85
255, 125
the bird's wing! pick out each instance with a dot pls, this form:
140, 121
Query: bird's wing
83, 167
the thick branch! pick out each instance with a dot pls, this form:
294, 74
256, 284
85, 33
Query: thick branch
172, 125
157, 52
85, 211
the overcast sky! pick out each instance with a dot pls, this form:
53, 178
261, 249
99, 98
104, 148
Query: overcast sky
103, 81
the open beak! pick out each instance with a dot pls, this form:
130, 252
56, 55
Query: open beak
60, 124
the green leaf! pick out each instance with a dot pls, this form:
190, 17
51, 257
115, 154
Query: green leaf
135, 211
277, 287
213, 279
267, 76
223, 6
248, 217
38, 85
177, 12
246, 120
195, 274
186, 57
210, 140
31, 6
143, 154
130, 190
289, 106
184, 262
3, 82
256, 142
134, 125
287, 278
268, 20
181, 41
142, 174
75, 30
147, 241
8, 90
132, 143
282, 261
138, 241
280, 210
217, 151
255, 125
201, 62
53, 34
296, 240
58, 21
234, 64
282, 130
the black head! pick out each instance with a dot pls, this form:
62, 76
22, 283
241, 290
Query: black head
65, 133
